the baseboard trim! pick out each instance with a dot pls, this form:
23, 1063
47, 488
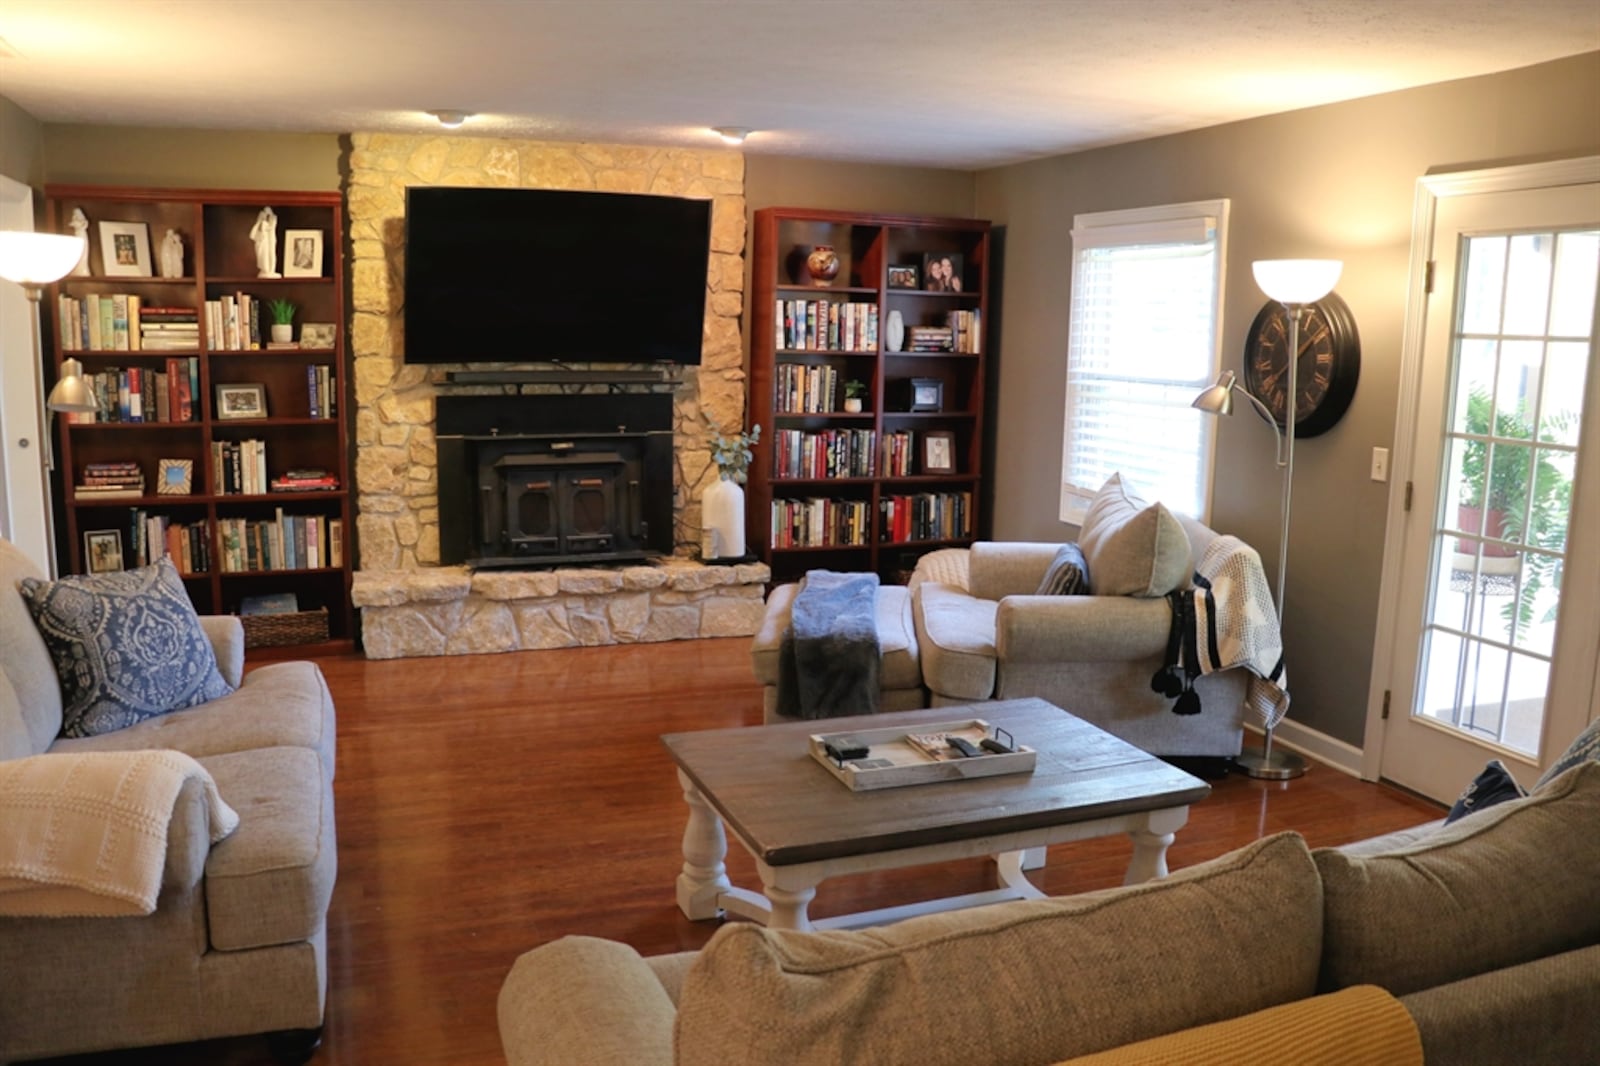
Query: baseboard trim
1306, 741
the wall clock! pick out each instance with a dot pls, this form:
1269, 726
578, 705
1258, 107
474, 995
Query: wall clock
1330, 363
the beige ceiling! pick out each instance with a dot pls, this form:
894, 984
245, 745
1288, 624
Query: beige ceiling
949, 83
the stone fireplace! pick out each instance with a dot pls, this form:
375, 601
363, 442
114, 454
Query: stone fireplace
416, 594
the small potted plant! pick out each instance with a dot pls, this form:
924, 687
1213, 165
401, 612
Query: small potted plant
282, 321
853, 392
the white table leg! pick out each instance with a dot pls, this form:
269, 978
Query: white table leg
1150, 843
704, 878
789, 906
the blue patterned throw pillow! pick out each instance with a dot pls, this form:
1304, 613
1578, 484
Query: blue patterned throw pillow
1586, 747
1068, 574
1494, 785
127, 646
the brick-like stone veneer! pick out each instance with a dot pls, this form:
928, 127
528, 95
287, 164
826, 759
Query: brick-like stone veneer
451, 611
396, 457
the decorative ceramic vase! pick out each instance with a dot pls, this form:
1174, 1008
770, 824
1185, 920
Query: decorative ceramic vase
282, 332
823, 265
895, 331
852, 405
722, 520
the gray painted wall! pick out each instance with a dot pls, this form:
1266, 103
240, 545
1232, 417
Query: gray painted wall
1334, 182
21, 145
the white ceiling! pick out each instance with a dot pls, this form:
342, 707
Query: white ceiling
946, 83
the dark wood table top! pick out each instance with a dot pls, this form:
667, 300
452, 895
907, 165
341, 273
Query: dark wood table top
789, 809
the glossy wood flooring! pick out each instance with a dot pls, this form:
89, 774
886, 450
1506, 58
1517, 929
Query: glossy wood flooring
490, 804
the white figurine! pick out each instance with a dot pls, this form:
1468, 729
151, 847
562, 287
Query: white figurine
80, 226
265, 234
172, 255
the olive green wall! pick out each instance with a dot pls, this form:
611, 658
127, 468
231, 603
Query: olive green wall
1334, 182
201, 159
21, 145
774, 181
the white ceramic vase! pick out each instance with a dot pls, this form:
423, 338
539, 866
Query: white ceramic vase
282, 333
722, 520
895, 331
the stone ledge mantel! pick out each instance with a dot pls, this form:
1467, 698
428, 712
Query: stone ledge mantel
450, 610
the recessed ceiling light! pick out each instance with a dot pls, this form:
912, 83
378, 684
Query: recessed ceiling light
731, 134
450, 119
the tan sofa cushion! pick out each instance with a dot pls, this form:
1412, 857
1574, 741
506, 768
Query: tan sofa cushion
1510, 884
956, 633
270, 882
1006, 983
899, 667
1133, 548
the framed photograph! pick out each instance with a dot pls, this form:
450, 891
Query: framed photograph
939, 452
302, 253
125, 250
941, 272
102, 550
241, 401
927, 394
176, 477
316, 335
903, 277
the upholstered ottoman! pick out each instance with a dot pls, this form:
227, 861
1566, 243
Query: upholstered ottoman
900, 669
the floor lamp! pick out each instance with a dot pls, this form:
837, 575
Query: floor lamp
1294, 283
34, 260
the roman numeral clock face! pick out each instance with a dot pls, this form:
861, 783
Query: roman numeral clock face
1329, 363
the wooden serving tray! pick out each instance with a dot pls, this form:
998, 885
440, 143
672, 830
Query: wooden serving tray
895, 758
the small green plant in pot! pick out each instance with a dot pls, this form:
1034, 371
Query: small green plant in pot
282, 320
854, 392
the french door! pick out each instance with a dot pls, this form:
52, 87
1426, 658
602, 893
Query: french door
1492, 629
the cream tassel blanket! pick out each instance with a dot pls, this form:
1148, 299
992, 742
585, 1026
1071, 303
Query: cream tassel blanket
85, 834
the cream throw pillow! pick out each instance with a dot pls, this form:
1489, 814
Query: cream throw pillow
1133, 548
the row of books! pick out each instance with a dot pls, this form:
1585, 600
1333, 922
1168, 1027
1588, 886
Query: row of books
829, 453
925, 516
122, 322
109, 480
827, 326
816, 523
239, 466
155, 535
962, 332
320, 387
283, 542
806, 390
900, 455
233, 324
142, 394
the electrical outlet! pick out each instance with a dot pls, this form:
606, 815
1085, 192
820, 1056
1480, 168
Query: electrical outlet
1380, 464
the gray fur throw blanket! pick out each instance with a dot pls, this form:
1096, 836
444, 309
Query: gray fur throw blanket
828, 660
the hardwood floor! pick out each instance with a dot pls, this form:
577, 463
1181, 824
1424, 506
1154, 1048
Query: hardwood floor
489, 804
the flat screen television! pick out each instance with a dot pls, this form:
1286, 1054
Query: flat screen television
541, 275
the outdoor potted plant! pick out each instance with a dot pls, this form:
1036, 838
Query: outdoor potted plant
282, 321
722, 503
853, 392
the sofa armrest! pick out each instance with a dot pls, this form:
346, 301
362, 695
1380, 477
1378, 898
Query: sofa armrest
226, 634
582, 999
997, 569
188, 838
1055, 629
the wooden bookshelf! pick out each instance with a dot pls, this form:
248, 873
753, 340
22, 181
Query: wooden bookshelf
855, 508
305, 425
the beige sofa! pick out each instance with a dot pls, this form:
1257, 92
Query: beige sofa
237, 943
1094, 656
1485, 931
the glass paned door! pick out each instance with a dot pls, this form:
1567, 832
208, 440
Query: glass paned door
1521, 344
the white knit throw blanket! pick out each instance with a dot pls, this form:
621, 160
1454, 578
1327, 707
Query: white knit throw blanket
85, 834
1237, 625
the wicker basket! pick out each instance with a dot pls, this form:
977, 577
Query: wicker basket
275, 630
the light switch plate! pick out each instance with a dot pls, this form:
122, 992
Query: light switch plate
1380, 464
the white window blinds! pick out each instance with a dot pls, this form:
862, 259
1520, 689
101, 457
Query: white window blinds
1144, 340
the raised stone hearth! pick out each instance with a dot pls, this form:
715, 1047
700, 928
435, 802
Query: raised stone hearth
450, 610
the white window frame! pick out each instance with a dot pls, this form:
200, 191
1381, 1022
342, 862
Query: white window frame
1169, 223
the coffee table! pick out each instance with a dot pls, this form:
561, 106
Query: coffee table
802, 826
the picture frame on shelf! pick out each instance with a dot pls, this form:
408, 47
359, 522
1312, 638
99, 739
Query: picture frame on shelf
242, 400
941, 272
316, 335
939, 452
175, 477
927, 395
125, 249
102, 551
905, 277
302, 253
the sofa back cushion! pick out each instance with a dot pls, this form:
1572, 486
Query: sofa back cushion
14, 740
1513, 883
25, 660
1133, 548
1033, 981
1000, 568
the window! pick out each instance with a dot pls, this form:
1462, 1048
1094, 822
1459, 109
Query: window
1145, 338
